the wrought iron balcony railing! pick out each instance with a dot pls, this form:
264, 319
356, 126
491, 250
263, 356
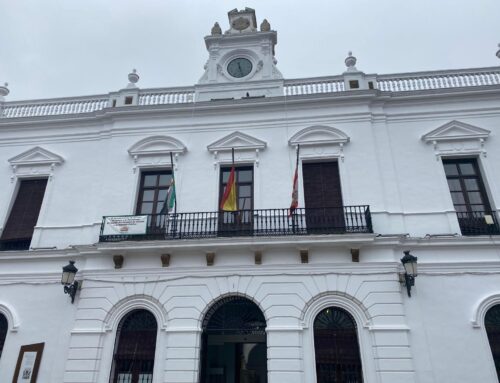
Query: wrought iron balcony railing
478, 223
261, 222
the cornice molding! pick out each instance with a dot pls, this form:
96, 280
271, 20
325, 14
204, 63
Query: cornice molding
112, 114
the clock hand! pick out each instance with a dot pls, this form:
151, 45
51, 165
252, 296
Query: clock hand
241, 70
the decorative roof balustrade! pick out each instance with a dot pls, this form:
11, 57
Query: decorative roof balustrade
438, 79
314, 86
403, 82
54, 107
166, 96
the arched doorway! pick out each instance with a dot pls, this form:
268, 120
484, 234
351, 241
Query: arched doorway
134, 354
3, 331
234, 348
336, 347
492, 325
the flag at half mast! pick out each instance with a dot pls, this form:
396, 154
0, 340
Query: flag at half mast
229, 202
170, 200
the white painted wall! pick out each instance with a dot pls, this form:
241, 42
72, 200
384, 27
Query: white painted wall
426, 338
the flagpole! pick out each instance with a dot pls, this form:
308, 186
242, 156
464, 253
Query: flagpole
172, 184
173, 177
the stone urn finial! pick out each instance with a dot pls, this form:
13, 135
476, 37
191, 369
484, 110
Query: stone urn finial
350, 62
4, 91
216, 30
133, 77
265, 26
498, 51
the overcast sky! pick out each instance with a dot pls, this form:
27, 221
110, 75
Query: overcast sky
58, 48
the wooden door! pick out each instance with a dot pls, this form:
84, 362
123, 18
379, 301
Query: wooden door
323, 197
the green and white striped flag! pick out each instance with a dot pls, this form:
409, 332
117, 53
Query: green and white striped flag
170, 200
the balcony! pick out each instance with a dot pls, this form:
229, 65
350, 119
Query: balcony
243, 223
478, 223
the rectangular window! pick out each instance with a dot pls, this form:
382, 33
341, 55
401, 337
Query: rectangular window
23, 217
153, 191
469, 197
239, 222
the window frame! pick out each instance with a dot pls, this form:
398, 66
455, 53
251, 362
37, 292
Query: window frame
461, 178
238, 168
470, 221
157, 188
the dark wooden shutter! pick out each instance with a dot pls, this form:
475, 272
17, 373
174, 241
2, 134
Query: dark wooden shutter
322, 184
3, 331
24, 213
323, 197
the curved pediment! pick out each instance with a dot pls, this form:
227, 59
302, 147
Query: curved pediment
36, 156
157, 145
456, 130
236, 140
319, 135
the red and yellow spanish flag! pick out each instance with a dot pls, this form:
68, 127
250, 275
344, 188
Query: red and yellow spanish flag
228, 202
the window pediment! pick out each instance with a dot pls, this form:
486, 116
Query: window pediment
320, 141
157, 145
36, 156
155, 151
456, 137
35, 161
319, 135
238, 141
245, 146
456, 130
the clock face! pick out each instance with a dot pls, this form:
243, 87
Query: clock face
239, 67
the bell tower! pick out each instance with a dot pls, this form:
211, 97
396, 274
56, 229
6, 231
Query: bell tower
241, 62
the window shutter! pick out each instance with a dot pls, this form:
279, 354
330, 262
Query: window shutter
24, 213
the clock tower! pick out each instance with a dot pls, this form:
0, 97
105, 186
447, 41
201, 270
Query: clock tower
241, 62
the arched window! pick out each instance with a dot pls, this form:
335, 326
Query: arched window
336, 347
134, 354
234, 343
3, 331
492, 325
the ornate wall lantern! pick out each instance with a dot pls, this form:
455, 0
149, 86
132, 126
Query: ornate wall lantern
410, 265
68, 280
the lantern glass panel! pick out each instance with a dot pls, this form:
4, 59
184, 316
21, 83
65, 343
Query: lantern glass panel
67, 278
415, 273
408, 268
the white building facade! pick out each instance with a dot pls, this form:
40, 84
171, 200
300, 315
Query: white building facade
386, 164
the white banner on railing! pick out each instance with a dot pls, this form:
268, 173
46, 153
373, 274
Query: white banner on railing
135, 224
